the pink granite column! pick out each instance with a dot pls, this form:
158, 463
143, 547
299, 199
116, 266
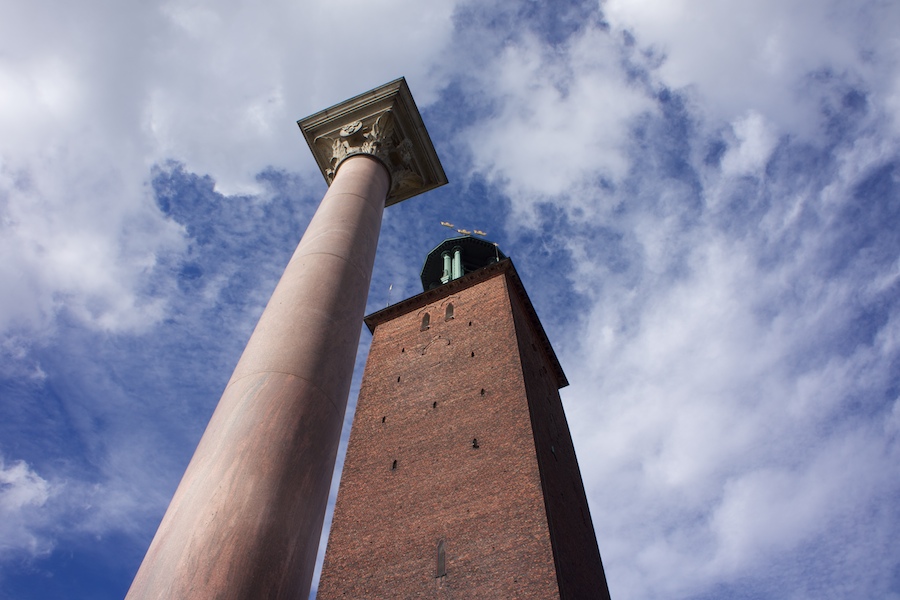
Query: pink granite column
246, 519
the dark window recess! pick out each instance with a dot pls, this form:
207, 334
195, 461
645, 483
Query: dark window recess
394, 466
441, 569
398, 379
482, 391
449, 313
402, 350
470, 323
475, 443
426, 322
434, 405
473, 355
383, 418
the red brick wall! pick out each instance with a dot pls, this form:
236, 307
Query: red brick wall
485, 503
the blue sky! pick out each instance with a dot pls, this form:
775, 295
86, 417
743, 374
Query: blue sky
702, 199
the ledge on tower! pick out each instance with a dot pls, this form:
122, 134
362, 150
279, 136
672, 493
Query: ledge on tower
385, 124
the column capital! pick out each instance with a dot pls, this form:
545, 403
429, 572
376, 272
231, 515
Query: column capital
383, 123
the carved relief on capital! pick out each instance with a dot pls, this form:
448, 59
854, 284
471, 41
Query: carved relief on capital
383, 123
379, 137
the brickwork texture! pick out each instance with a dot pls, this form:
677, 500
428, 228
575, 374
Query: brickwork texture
460, 479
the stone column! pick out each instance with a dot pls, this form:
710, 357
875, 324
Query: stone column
246, 519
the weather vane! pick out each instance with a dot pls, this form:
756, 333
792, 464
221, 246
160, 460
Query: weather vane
464, 231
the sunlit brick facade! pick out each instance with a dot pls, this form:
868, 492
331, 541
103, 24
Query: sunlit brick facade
460, 479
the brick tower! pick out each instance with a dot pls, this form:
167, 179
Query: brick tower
460, 479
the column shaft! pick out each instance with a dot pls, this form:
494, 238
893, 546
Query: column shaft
457, 263
246, 518
448, 269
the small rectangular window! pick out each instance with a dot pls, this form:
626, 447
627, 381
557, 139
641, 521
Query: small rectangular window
441, 570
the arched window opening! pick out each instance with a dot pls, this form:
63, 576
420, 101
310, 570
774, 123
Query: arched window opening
426, 322
449, 312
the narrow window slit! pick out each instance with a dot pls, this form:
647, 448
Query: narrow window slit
475, 443
441, 569
434, 405
482, 391
383, 418
394, 466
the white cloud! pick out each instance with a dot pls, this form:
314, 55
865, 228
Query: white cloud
715, 397
22, 494
715, 425
86, 253
96, 95
758, 55
754, 142
562, 118
772, 510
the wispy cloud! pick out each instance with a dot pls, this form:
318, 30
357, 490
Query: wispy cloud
22, 494
702, 201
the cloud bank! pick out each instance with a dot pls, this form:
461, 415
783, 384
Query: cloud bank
701, 200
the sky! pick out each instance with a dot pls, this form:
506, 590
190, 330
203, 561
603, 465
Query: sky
702, 199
